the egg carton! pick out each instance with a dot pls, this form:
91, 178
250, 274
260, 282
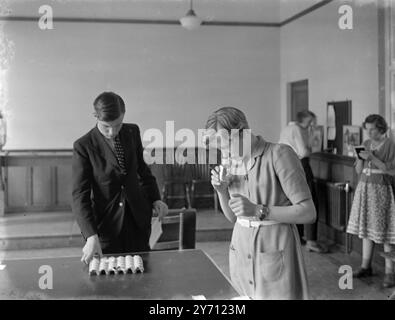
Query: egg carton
116, 265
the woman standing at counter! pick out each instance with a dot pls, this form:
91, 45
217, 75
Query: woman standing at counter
265, 202
372, 215
297, 134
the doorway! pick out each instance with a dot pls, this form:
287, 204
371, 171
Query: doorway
298, 97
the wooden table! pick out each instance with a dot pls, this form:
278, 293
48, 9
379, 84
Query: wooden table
167, 275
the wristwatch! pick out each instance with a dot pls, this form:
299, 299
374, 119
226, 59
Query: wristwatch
263, 212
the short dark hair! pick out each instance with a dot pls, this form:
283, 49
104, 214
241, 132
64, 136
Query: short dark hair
301, 115
108, 106
378, 121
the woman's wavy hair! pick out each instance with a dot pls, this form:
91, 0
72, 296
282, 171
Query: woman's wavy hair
229, 118
378, 121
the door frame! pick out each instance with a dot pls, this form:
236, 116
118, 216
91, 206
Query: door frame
289, 96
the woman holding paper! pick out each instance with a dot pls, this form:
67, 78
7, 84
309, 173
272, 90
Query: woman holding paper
265, 194
372, 216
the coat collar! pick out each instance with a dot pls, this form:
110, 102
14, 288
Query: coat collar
242, 167
258, 149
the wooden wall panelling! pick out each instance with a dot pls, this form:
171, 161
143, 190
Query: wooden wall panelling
17, 190
32, 180
63, 186
42, 186
40, 180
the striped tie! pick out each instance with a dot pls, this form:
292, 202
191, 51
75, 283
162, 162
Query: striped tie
119, 153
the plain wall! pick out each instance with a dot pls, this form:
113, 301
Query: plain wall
162, 72
339, 64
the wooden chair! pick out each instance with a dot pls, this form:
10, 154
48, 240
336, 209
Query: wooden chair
175, 176
201, 176
179, 230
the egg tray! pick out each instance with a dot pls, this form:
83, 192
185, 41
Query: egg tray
116, 265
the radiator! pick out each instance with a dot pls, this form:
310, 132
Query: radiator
334, 205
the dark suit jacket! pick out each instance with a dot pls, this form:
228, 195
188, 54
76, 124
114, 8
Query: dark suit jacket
100, 189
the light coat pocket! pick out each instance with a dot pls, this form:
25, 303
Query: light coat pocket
271, 265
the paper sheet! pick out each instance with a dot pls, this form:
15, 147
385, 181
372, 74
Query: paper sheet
241, 298
156, 231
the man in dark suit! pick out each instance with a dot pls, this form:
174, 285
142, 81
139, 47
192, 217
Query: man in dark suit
114, 191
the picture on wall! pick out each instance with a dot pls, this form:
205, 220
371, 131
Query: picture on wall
316, 138
338, 115
351, 139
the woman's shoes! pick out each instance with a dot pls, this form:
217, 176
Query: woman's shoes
363, 273
389, 280
313, 246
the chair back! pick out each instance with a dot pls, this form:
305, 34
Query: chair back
178, 230
174, 169
201, 169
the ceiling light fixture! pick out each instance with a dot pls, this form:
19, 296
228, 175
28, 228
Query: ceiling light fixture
190, 21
